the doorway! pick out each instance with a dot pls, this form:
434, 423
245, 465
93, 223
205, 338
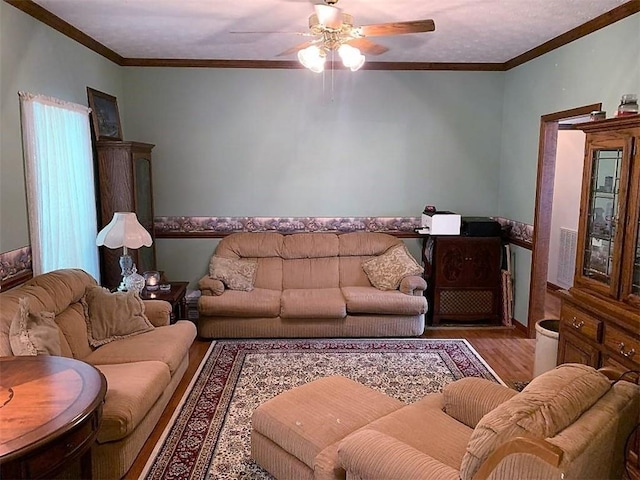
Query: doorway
547, 149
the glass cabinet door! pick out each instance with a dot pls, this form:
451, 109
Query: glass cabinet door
635, 282
631, 261
603, 224
602, 216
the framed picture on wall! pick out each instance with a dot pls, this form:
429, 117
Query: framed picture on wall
104, 115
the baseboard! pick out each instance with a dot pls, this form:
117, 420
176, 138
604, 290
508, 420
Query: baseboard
520, 327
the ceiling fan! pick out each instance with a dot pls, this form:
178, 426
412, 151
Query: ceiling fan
334, 30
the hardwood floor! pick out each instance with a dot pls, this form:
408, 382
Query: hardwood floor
507, 351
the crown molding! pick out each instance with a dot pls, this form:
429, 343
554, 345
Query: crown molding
294, 65
45, 16
39, 13
612, 16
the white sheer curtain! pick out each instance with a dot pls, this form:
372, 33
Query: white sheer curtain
60, 184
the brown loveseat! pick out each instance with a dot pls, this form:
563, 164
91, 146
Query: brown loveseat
571, 422
142, 371
312, 285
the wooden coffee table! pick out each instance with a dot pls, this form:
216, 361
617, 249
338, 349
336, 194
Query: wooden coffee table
50, 411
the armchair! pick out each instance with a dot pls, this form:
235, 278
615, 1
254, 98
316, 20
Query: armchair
571, 423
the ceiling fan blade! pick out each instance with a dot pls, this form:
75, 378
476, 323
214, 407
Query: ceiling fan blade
329, 16
297, 48
397, 28
367, 46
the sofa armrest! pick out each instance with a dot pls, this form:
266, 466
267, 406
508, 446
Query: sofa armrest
469, 399
370, 455
158, 312
413, 285
210, 286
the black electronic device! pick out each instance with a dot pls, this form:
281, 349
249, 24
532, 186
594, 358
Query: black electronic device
480, 227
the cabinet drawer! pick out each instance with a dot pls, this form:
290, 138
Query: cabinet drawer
622, 343
579, 321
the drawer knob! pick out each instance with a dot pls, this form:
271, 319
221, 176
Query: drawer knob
628, 354
577, 324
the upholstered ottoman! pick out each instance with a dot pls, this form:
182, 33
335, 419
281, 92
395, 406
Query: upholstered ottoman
295, 435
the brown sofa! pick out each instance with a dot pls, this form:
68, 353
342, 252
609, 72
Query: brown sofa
310, 285
142, 371
571, 422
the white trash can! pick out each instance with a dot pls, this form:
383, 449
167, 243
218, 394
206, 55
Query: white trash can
546, 346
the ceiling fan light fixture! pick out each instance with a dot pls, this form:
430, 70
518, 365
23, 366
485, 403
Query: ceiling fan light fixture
313, 58
358, 64
351, 57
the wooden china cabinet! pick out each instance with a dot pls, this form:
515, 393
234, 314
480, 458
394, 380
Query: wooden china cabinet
600, 315
124, 171
463, 278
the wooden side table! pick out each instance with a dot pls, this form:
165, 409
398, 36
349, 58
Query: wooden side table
50, 412
177, 297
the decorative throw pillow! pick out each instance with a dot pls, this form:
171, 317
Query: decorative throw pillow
235, 274
387, 270
34, 333
111, 316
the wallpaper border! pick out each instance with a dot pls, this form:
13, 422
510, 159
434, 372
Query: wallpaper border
15, 267
215, 227
518, 233
204, 227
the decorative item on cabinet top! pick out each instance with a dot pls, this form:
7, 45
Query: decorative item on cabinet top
105, 116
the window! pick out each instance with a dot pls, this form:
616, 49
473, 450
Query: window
60, 184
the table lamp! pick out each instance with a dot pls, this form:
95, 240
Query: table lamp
125, 231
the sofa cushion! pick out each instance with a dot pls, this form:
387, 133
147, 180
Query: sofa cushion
236, 274
366, 243
251, 245
426, 427
112, 316
549, 404
471, 398
387, 270
260, 302
133, 388
269, 273
352, 273
167, 344
313, 303
74, 328
310, 245
34, 333
311, 273
389, 302
51, 292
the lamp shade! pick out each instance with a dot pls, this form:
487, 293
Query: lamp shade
124, 230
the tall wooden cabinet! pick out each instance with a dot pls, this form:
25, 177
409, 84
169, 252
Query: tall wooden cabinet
124, 172
463, 278
600, 315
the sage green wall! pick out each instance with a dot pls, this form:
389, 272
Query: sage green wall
597, 68
274, 142
37, 59
233, 142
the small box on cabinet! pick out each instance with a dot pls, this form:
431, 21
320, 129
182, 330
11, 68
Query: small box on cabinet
441, 223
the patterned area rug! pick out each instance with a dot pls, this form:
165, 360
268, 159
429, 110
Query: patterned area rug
209, 434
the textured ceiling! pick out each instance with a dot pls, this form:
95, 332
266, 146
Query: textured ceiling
483, 31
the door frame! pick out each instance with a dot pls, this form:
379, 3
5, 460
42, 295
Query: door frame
547, 149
